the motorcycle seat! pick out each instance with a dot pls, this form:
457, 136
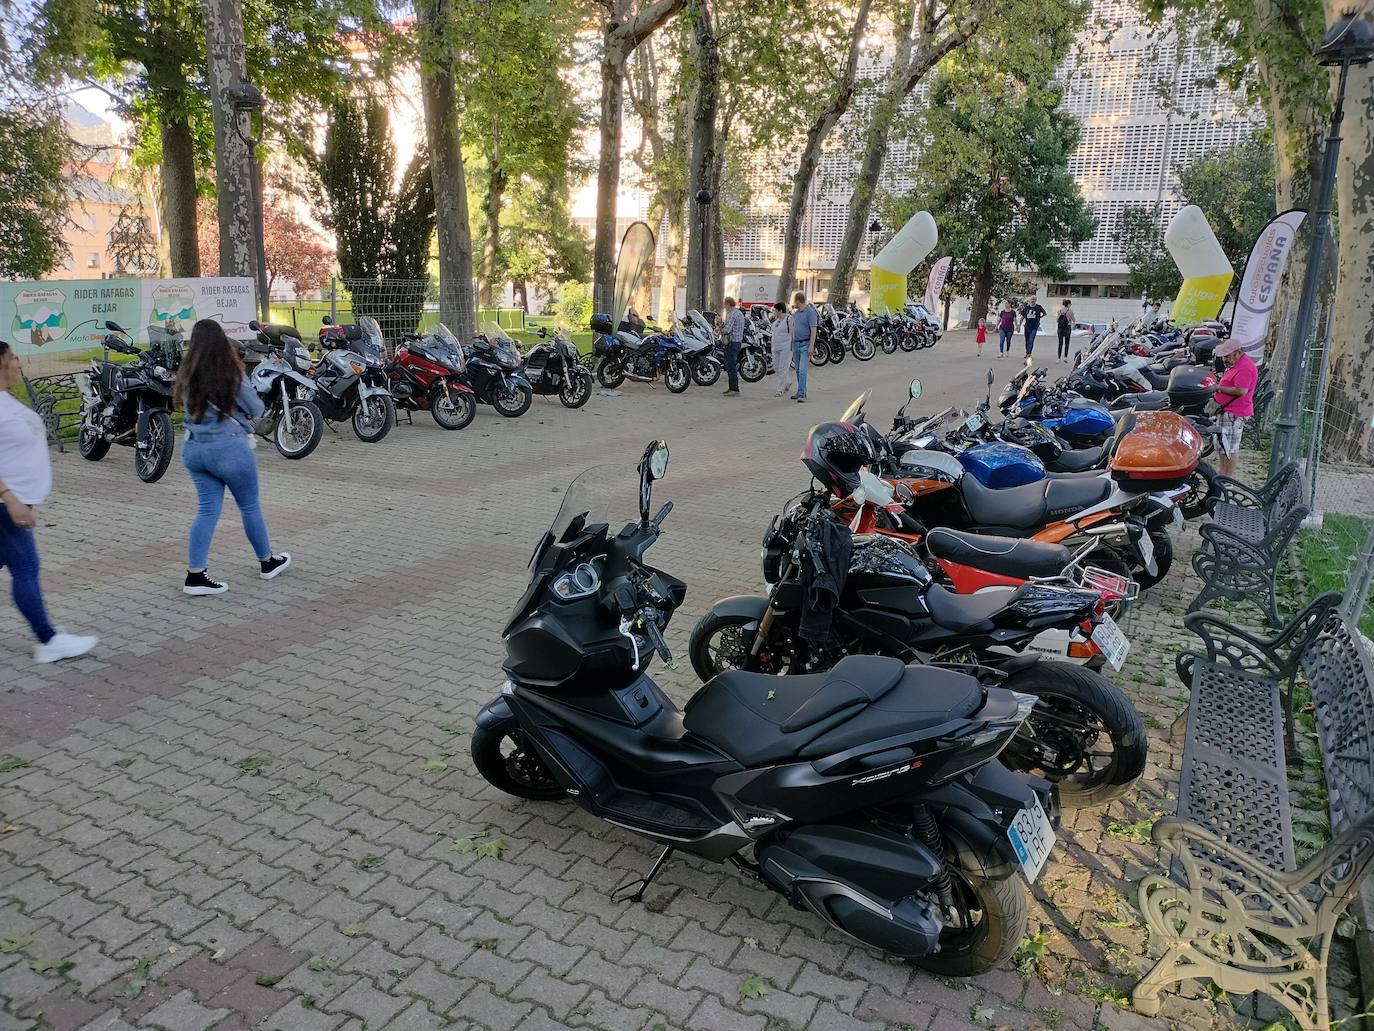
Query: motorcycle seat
964, 612
1010, 556
1033, 504
1078, 461
1146, 401
758, 719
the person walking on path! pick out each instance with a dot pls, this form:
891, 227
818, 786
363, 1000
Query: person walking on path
981, 337
221, 408
780, 342
1006, 325
804, 322
733, 331
1235, 398
1031, 315
1065, 327
26, 481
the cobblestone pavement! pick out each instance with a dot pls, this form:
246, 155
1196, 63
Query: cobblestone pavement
241, 811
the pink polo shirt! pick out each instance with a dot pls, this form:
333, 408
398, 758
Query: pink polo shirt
1245, 375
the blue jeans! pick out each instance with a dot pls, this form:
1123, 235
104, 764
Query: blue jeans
801, 358
732, 363
1003, 341
218, 462
19, 552
1031, 329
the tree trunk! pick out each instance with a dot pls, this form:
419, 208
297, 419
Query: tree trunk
446, 169
179, 195
715, 275
706, 53
982, 294
496, 189
672, 260
1350, 397
816, 136
239, 226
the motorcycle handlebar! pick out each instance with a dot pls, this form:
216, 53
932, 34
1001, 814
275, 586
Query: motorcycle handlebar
648, 616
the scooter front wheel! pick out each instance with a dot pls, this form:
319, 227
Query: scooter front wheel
506, 759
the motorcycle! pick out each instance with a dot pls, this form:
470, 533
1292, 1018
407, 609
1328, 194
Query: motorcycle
553, 366
870, 796
351, 381
699, 349
1084, 734
493, 372
131, 404
283, 377
427, 376
626, 355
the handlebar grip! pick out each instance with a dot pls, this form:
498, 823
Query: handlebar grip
662, 514
651, 631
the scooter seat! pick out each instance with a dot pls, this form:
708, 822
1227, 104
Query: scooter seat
1147, 401
1010, 556
759, 720
1033, 504
1078, 461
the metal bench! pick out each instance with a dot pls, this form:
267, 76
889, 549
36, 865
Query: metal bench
46, 395
1231, 566
1236, 908
1251, 513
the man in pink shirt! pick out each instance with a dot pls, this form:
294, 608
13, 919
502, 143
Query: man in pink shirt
1236, 396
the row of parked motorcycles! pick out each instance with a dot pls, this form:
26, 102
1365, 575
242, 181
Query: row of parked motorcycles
352, 381
886, 733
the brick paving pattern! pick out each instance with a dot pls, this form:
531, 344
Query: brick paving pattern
250, 811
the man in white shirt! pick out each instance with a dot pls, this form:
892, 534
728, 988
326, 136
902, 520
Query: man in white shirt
25, 481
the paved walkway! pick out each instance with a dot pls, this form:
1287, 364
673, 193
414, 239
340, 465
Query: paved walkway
258, 810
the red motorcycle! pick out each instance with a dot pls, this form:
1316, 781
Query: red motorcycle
427, 375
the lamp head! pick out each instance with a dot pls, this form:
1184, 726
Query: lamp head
875, 226
704, 197
1350, 39
245, 97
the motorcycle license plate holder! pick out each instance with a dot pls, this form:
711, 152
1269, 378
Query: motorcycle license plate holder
1032, 838
1112, 642
1147, 552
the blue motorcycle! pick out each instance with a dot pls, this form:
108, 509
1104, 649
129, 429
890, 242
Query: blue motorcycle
627, 354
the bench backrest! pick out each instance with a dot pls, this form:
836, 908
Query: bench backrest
57, 400
1291, 493
1340, 677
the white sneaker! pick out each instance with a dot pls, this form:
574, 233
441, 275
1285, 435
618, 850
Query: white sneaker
64, 646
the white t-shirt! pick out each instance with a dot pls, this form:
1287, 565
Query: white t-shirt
781, 332
24, 465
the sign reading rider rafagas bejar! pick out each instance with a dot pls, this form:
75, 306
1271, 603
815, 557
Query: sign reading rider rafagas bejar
52, 315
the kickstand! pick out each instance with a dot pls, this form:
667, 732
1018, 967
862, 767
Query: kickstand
633, 891
330, 426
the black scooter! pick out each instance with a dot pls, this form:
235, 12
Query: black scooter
870, 795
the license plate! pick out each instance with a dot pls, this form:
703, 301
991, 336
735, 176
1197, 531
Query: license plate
1114, 644
1031, 837
1147, 552
973, 422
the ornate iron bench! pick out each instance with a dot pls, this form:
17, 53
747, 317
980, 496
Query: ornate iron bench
1231, 566
1236, 908
1251, 513
47, 395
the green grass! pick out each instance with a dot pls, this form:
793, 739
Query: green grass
1329, 555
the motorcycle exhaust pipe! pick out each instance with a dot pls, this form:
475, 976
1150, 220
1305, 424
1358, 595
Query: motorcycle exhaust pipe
639, 379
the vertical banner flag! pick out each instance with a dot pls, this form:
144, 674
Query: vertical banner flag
1259, 283
901, 254
939, 272
1207, 273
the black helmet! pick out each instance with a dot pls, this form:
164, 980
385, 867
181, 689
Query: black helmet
835, 452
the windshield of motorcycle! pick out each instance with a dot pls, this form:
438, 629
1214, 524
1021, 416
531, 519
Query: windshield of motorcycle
855, 411
445, 345
602, 494
371, 341
502, 345
633, 264
700, 328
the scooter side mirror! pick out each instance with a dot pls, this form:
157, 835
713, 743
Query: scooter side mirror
916, 389
651, 467
991, 379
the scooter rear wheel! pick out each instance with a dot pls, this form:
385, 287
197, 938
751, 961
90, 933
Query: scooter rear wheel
507, 761
990, 890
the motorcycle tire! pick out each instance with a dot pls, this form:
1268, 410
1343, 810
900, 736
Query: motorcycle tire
1202, 492
610, 373
388, 419
864, 349
518, 771
453, 410
888, 345
836, 352
705, 373
576, 389
152, 462
752, 366
303, 436
1084, 714
909, 342
722, 643
820, 353
991, 884
677, 377
92, 447
514, 403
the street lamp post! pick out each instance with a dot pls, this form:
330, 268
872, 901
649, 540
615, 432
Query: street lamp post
1348, 42
246, 99
704, 199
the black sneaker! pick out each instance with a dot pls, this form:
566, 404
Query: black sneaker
202, 583
274, 565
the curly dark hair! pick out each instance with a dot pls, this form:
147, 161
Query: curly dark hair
210, 374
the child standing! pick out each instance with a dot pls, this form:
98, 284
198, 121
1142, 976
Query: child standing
982, 336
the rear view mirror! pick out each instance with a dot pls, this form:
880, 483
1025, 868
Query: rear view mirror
1077, 358
254, 326
916, 388
991, 378
658, 460
113, 327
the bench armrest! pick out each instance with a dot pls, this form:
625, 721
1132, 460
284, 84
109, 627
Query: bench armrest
1233, 492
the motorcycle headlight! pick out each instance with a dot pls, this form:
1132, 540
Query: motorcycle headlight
161, 373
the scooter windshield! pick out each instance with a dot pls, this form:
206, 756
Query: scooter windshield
601, 494
446, 346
